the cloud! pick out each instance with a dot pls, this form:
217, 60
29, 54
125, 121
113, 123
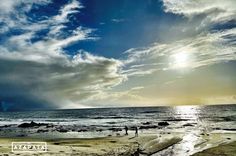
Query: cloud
215, 12
207, 47
12, 17
124, 98
210, 42
67, 10
20, 47
29, 84
36, 71
40, 74
9, 6
203, 49
48, 48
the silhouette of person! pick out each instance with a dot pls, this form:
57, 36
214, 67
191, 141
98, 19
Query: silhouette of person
126, 130
136, 131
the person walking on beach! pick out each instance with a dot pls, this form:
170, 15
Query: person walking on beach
126, 130
136, 131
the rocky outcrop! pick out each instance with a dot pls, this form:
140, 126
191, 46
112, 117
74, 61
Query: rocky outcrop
31, 124
164, 123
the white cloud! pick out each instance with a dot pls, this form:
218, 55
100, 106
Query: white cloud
9, 6
50, 47
40, 73
66, 10
203, 49
215, 11
13, 17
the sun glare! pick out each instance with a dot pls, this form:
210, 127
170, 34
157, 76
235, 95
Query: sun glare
187, 111
180, 60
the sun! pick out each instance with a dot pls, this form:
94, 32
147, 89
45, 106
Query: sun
180, 60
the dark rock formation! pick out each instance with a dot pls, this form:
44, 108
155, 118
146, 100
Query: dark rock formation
61, 130
115, 129
146, 123
188, 125
82, 130
164, 123
31, 124
148, 127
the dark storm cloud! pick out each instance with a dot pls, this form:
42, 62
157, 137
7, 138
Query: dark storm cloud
28, 84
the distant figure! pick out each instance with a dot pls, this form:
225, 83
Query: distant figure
126, 130
136, 131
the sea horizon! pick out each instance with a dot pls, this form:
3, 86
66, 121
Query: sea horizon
107, 107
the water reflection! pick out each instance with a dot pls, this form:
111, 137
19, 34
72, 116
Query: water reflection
190, 136
187, 112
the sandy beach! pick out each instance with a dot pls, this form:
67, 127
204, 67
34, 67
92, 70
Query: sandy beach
128, 145
225, 149
162, 131
121, 145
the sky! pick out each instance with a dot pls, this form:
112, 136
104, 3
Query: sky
67, 54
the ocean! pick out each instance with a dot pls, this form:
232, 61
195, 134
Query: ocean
217, 117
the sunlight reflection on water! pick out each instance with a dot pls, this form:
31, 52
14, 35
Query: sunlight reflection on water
186, 146
187, 112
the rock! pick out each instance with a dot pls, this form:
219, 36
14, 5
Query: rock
229, 129
49, 126
111, 122
42, 130
5, 126
150, 111
99, 130
115, 129
136, 153
188, 125
148, 127
176, 119
164, 123
113, 141
157, 144
21, 135
26, 125
62, 130
31, 124
82, 130
146, 123
229, 118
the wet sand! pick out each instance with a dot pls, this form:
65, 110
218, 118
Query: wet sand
144, 144
120, 145
221, 150
107, 146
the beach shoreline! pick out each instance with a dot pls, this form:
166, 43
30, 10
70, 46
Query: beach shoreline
228, 149
118, 145
172, 131
123, 145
